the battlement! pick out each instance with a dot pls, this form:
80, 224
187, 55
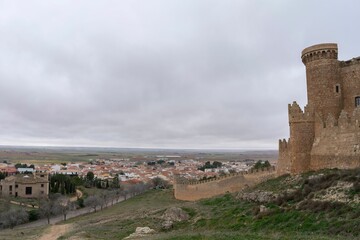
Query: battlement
195, 190
296, 114
250, 172
343, 122
283, 144
319, 51
353, 61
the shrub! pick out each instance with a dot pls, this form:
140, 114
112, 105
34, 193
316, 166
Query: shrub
33, 215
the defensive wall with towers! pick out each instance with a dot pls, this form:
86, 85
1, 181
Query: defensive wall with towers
326, 134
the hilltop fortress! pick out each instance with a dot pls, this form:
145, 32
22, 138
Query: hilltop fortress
326, 134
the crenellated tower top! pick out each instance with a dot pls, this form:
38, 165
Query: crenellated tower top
320, 51
296, 114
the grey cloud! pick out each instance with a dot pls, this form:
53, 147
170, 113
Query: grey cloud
198, 74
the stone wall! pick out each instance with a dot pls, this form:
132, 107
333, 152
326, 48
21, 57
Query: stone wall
350, 74
338, 146
284, 160
192, 191
302, 135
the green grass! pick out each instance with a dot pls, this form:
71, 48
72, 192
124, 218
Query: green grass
223, 217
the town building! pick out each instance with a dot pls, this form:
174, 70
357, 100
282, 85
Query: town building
33, 185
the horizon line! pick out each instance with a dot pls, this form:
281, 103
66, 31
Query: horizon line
140, 148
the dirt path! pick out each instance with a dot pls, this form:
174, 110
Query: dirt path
23, 204
55, 232
78, 195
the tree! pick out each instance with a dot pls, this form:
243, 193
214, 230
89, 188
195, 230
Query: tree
112, 196
20, 165
259, 164
124, 193
62, 183
90, 176
159, 183
160, 161
115, 183
104, 199
64, 205
217, 164
2, 175
49, 207
92, 202
46, 209
14, 217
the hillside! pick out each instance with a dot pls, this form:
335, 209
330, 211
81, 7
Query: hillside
317, 205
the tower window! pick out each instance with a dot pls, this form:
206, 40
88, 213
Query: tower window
337, 88
357, 101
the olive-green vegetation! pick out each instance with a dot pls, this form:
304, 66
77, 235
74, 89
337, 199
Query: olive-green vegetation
260, 164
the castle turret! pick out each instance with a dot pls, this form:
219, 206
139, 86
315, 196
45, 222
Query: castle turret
301, 137
323, 79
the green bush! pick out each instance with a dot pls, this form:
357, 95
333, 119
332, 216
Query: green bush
33, 215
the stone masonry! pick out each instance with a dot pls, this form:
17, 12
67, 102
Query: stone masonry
195, 190
326, 134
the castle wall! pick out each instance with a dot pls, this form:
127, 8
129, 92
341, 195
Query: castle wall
284, 163
350, 73
338, 144
213, 187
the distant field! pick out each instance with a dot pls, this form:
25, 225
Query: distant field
50, 155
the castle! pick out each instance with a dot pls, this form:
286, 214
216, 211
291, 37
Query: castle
326, 134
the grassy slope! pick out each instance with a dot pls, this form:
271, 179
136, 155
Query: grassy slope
295, 216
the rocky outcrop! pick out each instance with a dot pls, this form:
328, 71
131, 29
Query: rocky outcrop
257, 196
140, 232
171, 215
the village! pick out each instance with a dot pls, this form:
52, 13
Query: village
34, 178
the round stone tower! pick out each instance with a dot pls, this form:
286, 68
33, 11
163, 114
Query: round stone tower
322, 79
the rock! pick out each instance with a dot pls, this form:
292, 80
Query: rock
140, 232
175, 214
144, 230
167, 224
257, 196
171, 215
263, 209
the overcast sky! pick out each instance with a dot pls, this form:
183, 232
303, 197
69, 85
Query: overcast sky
160, 73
